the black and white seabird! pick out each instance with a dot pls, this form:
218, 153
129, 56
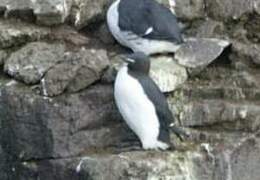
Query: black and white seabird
144, 25
142, 105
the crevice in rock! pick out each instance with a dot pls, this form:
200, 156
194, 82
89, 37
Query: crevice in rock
26, 15
223, 60
226, 126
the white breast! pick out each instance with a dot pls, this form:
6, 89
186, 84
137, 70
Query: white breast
113, 23
137, 110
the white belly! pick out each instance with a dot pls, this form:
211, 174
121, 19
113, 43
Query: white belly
130, 40
137, 110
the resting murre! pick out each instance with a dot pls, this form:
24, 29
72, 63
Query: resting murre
144, 25
142, 105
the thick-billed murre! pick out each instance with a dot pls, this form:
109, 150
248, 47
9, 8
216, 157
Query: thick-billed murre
142, 105
144, 25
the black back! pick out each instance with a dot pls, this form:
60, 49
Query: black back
158, 99
139, 15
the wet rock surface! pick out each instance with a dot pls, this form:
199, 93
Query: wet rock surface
62, 123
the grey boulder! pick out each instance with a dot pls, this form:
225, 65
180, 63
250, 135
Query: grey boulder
50, 12
78, 71
88, 11
14, 33
196, 53
32, 61
233, 9
167, 74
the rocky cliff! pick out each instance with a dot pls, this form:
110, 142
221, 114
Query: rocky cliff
58, 120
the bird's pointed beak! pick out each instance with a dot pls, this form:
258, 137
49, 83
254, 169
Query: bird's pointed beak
126, 59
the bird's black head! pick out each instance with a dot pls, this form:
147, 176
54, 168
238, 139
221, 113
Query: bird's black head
138, 62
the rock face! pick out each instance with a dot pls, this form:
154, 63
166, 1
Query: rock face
14, 33
3, 56
47, 12
87, 11
58, 119
196, 54
190, 10
57, 127
51, 12
167, 74
229, 9
31, 62
78, 71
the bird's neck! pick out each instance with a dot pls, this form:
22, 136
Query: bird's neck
136, 73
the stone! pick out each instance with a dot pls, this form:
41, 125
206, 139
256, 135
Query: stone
3, 175
222, 114
245, 79
197, 53
206, 161
51, 12
14, 33
139, 165
77, 72
257, 6
105, 36
32, 61
208, 29
3, 56
247, 53
185, 9
247, 151
218, 90
2, 7
167, 74
70, 36
19, 9
229, 10
88, 11
189, 9
37, 127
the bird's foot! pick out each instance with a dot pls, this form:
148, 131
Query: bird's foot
180, 133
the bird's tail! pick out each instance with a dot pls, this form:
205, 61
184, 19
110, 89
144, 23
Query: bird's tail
179, 132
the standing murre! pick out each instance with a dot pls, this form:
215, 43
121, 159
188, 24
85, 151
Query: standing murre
142, 105
144, 25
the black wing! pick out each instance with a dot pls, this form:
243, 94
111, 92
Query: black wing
162, 109
138, 16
